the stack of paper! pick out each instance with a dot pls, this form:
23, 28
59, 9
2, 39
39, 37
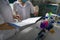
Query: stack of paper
27, 21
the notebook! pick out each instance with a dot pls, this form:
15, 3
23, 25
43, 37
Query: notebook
25, 22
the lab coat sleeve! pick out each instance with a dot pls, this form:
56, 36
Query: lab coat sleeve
15, 8
1, 19
6, 11
31, 8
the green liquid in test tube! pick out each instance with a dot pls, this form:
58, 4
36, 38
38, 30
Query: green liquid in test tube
50, 13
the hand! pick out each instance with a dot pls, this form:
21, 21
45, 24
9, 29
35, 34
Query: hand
18, 17
35, 13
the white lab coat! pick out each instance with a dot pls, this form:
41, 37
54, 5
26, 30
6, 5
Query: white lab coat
23, 11
6, 11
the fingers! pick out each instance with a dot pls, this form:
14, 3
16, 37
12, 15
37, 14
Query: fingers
19, 17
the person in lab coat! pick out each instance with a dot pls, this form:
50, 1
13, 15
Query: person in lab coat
23, 8
6, 11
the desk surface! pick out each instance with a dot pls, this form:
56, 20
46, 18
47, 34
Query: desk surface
54, 36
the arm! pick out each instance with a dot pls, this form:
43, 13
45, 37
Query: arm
31, 8
35, 13
36, 9
16, 16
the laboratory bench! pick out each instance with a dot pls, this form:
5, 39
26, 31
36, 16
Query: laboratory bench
5, 34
